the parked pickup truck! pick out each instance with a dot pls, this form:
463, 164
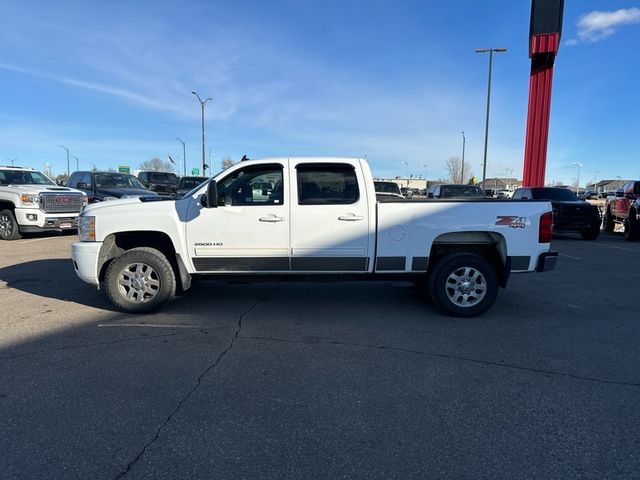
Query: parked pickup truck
31, 202
624, 208
321, 220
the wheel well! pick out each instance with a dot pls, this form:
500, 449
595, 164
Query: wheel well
489, 245
4, 205
117, 243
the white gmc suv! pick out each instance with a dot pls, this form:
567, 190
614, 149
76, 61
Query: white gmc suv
305, 218
32, 202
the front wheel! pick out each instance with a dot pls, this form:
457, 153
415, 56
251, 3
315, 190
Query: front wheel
632, 227
463, 284
607, 222
140, 280
590, 234
9, 229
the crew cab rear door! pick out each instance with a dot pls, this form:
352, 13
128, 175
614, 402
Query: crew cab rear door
329, 217
248, 231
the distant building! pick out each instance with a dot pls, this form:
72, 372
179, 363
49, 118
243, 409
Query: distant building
606, 186
499, 183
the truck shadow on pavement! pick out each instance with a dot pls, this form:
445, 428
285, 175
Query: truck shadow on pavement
56, 279
51, 278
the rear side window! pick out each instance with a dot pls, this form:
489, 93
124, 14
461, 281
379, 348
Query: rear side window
327, 184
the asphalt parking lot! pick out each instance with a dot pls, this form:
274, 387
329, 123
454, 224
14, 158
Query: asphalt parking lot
309, 380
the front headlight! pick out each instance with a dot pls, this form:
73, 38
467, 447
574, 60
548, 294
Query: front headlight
87, 229
29, 199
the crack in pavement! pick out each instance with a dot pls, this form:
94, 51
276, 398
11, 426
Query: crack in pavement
86, 345
448, 357
215, 363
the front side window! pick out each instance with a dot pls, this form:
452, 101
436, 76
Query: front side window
327, 184
254, 185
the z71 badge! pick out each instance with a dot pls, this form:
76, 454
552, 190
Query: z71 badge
513, 222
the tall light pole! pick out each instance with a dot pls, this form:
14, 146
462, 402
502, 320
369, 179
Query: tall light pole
184, 157
62, 146
486, 127
202, 105
462, 169
595, 180
578, 164
77, 162
406, 164
426, 182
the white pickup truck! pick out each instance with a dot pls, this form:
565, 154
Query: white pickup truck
31, 202
304, 218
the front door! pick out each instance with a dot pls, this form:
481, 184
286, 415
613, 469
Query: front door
329, 218
249, 230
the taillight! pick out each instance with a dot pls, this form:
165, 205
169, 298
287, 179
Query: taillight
546, 227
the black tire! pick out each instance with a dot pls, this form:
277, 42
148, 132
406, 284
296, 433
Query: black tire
591, 234
144, 289
9, 228
443, 292
608, 224
632, 227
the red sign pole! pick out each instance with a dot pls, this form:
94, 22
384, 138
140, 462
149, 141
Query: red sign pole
544, 42
543, 49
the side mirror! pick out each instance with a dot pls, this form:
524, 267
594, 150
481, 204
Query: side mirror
212, 195
430, 195
619, 194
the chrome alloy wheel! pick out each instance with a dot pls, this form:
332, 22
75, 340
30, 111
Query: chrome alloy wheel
466, 287
6, 225
138, 282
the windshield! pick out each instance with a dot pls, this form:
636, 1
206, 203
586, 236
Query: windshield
191, 182
560, 194
117, 180
387, 187
464, 191
23, 177
162, 177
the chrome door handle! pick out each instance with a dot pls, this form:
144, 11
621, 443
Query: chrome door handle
350, 218
271, 219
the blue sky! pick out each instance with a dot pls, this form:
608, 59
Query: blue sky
393, 80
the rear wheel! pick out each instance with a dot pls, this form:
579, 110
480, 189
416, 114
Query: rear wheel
607, 222
9, 229
632, 227
140, 280
463, 284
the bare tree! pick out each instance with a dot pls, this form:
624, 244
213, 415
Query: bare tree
454, 171
227, 162
454, 168
157, 165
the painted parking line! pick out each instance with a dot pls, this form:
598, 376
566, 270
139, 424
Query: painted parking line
615, 247
570, 256
147, 325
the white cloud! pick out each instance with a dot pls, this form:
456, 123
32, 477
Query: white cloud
595, 26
